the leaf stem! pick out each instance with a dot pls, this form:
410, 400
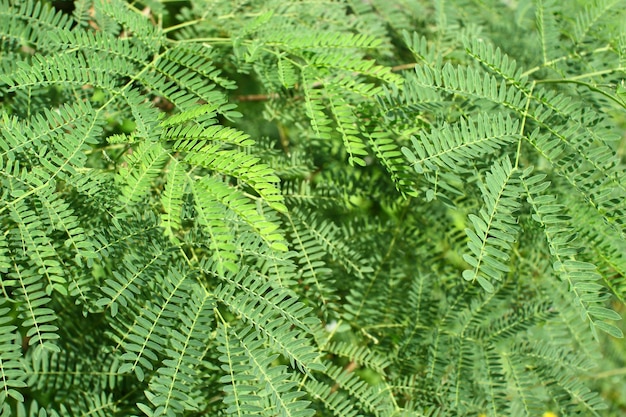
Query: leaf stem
590, 86
182, 25
566, 57
521, 131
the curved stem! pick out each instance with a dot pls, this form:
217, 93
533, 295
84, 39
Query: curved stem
590, 86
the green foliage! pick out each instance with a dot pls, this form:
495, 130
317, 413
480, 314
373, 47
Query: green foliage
321, 208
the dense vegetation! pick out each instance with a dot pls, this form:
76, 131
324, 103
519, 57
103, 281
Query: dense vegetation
312, 208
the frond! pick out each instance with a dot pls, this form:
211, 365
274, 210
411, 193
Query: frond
463, 354
548, 30
423, 315
372, 23
357, 86
313, 40
326, 233
130, 276
515, 321
172, 200
569, 327
4, 252
526, 400
12, 374
578, 397
347, 126
37, 317
242, 206
273, 266
313, 270
243, 298
370, 399
77, 244
81, 12
35, 410
400, 15
244, 167
388, 153
497, 62
606, 247
335, 401
591, 17
580, 276
59, 373
494, 377
127, 235
275, 384
197, 138
554, 357
104, 52
316, 208
470, 82
198, 60
31, 21
360, 355
451, 146
148, 333
239, 382
184, 87
314, 107
43, 140
349, 63
400, 104
140, 32
495, 229
36, 246
422, 52
210, 216
288, 75
143, 166
171, 390
101, 405
574, 149
71, 70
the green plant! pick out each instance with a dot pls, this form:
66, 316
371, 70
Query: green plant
311, 208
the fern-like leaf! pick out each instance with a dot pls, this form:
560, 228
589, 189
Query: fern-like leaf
450, 146
36, 314
347, 126
173, 388
388, 153
370, 398
144, 165
547, 27
275, 383
495, 229
580, 276
143, 339
129, 278
593, 15
12, 374
173, 198
242, 296
42, 254
241, 396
